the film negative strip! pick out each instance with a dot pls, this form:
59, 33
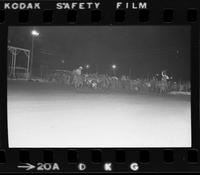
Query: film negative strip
99, 86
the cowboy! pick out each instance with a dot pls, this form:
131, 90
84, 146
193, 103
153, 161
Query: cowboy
164, 82
77, 79
165, 77
78, 71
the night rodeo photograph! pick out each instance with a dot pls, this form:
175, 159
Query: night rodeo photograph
99, 86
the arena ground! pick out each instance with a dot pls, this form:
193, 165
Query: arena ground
49, 115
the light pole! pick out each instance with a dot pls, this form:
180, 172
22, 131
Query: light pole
114, 68
34, 34
87, 66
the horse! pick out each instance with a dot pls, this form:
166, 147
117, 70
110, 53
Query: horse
163, 86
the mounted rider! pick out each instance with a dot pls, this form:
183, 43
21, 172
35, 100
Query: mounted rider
78, 71
77, 78
164, 82
165, 77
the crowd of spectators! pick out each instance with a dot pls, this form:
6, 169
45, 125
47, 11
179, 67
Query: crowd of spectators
103, 81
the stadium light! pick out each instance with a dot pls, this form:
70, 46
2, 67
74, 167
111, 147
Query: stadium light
87, 66
114, 66
34, 33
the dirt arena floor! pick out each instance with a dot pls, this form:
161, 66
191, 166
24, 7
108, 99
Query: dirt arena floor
50, 115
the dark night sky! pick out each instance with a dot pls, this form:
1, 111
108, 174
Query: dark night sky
144, 49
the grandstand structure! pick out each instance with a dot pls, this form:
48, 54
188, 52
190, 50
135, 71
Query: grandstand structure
18, 71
